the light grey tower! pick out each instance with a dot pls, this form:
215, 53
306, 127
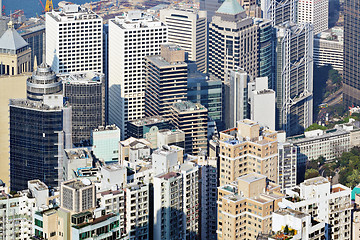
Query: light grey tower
279, 11
294, 77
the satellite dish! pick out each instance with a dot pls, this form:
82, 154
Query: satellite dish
282, 205
86, 182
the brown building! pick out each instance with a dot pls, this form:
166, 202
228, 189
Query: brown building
247, 149
245, 207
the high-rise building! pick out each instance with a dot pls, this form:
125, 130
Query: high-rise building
245, 206
351, 83
166, 76
15, 53
294, 77
42, 82
315, 13
279, 11
187, 28
325, 202
85, 93
245, 149
236, 40
105, 143
132, 37
192, 118
39, 131
206, 90
287, 165
74, 40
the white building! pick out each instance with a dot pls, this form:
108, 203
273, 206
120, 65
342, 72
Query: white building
187, 28
314, 12
74, 40
279, 11
166, 159
113, 176
302, 225
132, 37
324, 202
105, 143
262, 103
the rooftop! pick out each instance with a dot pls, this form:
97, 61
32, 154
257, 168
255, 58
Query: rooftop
149, 121
113, 167
251, 177
232, 7
106, 128
38, 185
77, 153
24, 103
315, 181
78, 184
288, 211
169, 175
11, 39
82, 78
185, 106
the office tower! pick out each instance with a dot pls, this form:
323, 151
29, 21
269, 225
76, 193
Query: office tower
351, 83
74, 40
206, 90
176, 203
85, 93
287, 165
192, 118
245, 149
39, 131
105, 143
132, 37
208, 176
140, 128
10, 87
329, 48
294, 77
245, 206
299, 226
166, 76
42, 82
325, 202
236, 40
262, 103
315, 13
236, 105
187, 28
279, 11
77, 195
15, 53
33, 32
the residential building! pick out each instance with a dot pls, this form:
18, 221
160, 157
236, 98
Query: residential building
245, 149
351, 83
329, 48
166, 159
15, 53
74, 38
105, 143
324, 202
42, 82
208, 183
132, 37
39, 131
356, 219
85, 93
206, 90
113, 176
245, 206
187, 28
74, 160
33, 32
279, 11
236, 40
166, 76
287, 165
192, 118
294, 80
133, 149
315, 13
300, 225
148, 127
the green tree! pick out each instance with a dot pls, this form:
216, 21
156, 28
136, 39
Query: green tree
311, 173
315, 126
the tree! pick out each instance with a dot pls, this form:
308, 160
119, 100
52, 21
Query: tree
315, 126
311, 173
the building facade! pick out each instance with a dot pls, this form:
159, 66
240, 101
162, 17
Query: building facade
314, 12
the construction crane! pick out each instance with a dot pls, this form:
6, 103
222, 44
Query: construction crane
49, 6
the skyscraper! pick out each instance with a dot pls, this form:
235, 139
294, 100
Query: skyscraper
294, 77
314, 12
38, 135
351, 81
74, 38
132, 37
85, 93
279, 11
187, 28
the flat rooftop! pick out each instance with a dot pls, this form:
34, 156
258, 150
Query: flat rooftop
161, 62
38, 185
169, 175
113, 167
315, 181
187, 106
252, 177
77, 153
149, 121
106, 128
82, 78
24, 103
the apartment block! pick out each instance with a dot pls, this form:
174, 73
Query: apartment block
287, 165
74, 38
245, 149
324, 202
245, 206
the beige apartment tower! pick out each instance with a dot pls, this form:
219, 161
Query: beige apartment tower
246, 149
